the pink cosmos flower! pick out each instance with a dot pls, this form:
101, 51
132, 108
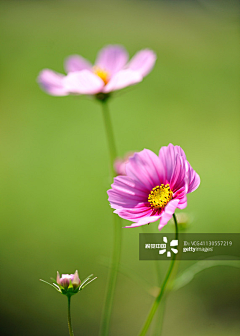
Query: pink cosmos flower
111, 72
120, 164
154, 186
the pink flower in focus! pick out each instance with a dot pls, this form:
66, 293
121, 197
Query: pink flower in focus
120, 164
154, 186
111, 72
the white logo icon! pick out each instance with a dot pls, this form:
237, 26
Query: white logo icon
174, 242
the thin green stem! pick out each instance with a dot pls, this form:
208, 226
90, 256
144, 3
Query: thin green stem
157, 330
110, 136
69, 317
159, 320
117, 231
160, 312
160, 295
112, 277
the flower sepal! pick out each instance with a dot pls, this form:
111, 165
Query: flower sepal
86, 281
102, 96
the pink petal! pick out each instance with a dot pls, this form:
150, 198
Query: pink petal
144, 221
183, 203
126, 193
180, 194
112, 58
52, 82
146, 168
135, 214
167, 156
76, 63
178, 178
143, 62
193, 179
122, 79
167, 213
83, 82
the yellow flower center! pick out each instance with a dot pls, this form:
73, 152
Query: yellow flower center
160, 196
104, 75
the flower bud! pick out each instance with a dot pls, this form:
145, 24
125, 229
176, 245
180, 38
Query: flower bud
69, 284
120, 164
183, 220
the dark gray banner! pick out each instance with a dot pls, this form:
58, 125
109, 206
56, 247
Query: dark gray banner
189, 246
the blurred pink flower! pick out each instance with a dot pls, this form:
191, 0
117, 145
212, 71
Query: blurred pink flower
120, 164
111, 72
154, 186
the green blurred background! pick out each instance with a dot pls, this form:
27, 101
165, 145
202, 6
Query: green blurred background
54, 159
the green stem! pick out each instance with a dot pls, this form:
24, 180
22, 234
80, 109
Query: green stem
160, 295
158, 323
110, 136
159, 320
69, 317
117, 231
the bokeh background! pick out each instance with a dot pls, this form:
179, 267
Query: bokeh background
54, 160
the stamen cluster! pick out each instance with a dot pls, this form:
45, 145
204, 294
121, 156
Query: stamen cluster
160, 196
103, 74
